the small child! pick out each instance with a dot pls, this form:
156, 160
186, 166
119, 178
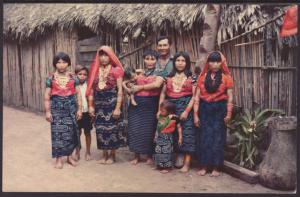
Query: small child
130, 77
167, 123
85, 123
63, 109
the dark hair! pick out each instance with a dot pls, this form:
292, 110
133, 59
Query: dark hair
169, 106
151, 53
80, 68
128, 71
197, 70
164, 37
214, 57
210, 85
61, 56
187, 71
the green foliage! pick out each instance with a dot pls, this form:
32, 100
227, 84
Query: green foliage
249, 129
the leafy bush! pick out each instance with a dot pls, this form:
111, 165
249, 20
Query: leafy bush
249, 129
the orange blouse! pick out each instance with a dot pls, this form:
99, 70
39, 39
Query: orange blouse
143, 80
220, 94
186, 90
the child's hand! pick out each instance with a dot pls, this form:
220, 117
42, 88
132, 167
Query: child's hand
183, 116
92, 112
172, 115
116, 113
155, 137
49, 117
79, 114
157, 115
180, 141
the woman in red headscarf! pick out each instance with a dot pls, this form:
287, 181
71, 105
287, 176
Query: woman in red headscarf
213, 105
104, 92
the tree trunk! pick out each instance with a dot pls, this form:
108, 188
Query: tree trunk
210, 31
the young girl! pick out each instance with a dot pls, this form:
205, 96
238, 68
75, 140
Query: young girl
179, 89
86, 122
167, 123
130, 78
213, 106
63, 107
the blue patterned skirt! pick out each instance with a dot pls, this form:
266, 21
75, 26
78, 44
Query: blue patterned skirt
188, 128
142, 124
212, 134
163, 150
109, 131
64, 130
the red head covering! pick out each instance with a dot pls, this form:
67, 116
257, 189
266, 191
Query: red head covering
94, 68
224, 66
289, 26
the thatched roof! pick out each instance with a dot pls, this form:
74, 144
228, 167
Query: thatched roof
238, 18
23, 21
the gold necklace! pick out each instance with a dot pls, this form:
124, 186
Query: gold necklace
62, 80
103, 73
178, 81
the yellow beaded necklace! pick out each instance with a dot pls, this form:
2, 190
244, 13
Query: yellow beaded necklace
178, 81
103, 73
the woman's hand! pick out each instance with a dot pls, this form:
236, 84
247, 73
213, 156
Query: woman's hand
116, 113
184, 115
136, 88
79, 114
196, 121
227, 119
180, 141
49, 117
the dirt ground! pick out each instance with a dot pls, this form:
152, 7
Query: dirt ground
28, 167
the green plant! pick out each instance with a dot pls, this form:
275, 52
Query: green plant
249, 128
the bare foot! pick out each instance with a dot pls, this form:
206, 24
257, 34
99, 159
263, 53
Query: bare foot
135, 161
185, 169
71, 161
88, 157
149, 161
202, 172
110, 160
76, 156
102, 161
215, 173
58, 165
164, 171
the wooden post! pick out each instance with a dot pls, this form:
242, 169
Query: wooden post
210, 30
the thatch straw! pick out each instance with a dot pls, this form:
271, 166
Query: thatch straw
23, 21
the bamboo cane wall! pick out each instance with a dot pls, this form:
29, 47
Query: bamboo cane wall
260, 75
26, 66
188, 41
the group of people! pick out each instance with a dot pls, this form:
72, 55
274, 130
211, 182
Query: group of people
172, 112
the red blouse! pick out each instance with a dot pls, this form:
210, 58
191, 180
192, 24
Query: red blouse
70, 88
143, 80
186, 89
220, 94
112, 77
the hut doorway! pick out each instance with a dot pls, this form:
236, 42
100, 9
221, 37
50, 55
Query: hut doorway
86, 50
